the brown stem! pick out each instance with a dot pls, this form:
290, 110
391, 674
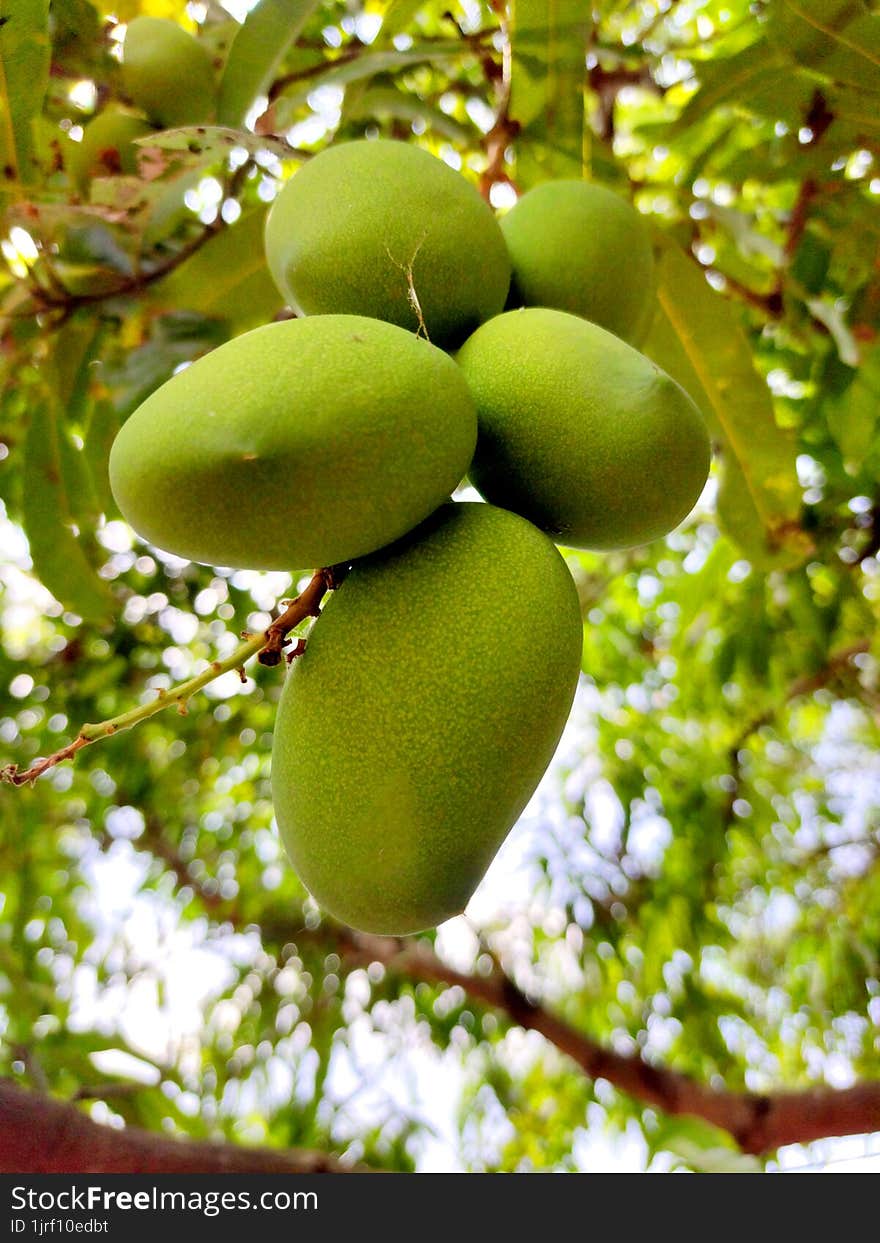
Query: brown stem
759, 1123
836, 664
67, 303
40, 1135
504, 128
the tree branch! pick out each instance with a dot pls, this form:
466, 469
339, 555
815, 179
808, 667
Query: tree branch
269, 645
759, 1123
40, 1135
836, 664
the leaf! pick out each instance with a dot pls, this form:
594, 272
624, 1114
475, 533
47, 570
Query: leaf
68, 367
380, 103
696, 336
228, 278
838, 38
100, 434
398, 15
24, 76
759, 72
198, 145
282, 114
549, 43
852, 416
47, 509
175, 338
257, 50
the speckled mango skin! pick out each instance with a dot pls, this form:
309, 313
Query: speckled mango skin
106, 148
346, 228
428, 704
299, 444
167, 72
579, 247
579, 432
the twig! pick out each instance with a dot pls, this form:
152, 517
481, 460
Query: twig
268, 645
504, 128
759, 1123
805, 685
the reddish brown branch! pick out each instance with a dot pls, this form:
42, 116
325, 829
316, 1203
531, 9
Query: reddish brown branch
836, 664
41, 1135
759, 1123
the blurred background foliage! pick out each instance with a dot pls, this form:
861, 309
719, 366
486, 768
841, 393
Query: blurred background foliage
697, 882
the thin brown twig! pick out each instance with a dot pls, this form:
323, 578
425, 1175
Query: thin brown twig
268, 646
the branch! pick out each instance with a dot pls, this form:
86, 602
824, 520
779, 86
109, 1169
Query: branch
504, 128
59, 298
40, 1135
759, 1123
836, 664
269, 645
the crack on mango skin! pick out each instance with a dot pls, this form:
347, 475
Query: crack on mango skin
407, 269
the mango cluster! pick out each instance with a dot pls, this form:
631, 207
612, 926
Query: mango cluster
431, 342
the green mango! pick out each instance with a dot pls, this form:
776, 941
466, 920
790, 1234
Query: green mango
168, 73
385, 229
106, 148
430, 699
576, 246
299, 444
579, 432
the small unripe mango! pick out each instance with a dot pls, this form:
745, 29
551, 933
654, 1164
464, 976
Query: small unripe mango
386, 230
106, 148
579, 432
167, 72
415, 728
576, 246
299, 444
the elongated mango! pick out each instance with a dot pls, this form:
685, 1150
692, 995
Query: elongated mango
428, 703
385, 229
579, 432
577, 246
167, 72
299, 444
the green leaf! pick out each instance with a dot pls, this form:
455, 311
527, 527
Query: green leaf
283, 112
382, 103
838, 38
549, 43
696, 336
398, 15
48, 519
852, 416
756, 76
228, 278
195, 146
69, 373
100, 434
68, 368
24, 76
257, 50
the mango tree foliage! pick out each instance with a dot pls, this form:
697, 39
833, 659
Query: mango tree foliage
697, 887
